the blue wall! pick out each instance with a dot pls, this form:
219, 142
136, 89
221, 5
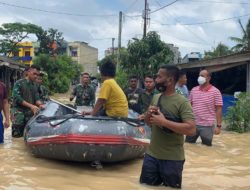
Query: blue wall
228, 100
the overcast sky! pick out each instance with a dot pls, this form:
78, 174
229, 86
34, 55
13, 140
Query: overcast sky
96, 21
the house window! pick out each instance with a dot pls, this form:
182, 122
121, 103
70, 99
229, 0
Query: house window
27, 53
74, 52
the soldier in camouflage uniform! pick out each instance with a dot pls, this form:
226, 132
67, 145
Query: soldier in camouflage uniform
26, 101
148, 93
42, 90
84, 92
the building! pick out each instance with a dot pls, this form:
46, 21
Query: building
25, 53
176, 52
84, 55
111, 51
192, 57
10, 71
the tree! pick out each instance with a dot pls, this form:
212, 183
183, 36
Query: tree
220, 50
61, 71
51, 42
143, 56
13, 33
243, 44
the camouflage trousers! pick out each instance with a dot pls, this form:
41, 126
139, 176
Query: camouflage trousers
19, 119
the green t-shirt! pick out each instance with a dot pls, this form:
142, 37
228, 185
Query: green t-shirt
166, 144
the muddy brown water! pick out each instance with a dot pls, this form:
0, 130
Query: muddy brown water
225, 165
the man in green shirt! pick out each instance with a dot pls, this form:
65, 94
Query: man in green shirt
170, 116
146, 96
84, 92
26, 101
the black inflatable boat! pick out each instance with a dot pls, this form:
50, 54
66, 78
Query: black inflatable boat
59, 132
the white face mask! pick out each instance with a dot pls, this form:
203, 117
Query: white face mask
201, 80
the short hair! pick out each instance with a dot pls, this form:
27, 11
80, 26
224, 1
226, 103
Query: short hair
85, 73
182, 73
108, 68
149, 76
133, 77
34, 67
172, 70
208, 72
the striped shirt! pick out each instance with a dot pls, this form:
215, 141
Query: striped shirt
204, 102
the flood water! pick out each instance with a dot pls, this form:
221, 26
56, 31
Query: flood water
225, 165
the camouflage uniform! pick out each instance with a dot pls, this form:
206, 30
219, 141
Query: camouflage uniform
85, 95
43, 93
24, 90
145, 100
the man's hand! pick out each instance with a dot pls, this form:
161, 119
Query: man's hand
6, 124
148, 114
217, 130
157, 119
42, 106
71, 98
141, 117
86, 113
34, 109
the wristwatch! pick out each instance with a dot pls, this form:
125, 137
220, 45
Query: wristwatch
219, 126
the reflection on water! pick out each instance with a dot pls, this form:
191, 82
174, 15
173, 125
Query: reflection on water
226, 165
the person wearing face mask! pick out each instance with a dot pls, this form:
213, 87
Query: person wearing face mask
170, 116
207, 103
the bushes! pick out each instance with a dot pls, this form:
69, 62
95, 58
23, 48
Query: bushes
61, 71
238, 116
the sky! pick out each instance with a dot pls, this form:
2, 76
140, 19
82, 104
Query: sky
191, 25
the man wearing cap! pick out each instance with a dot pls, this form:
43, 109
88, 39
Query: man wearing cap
84, 92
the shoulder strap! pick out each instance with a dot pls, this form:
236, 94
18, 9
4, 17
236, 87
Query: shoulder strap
167, 115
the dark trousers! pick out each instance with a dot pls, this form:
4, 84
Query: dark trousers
205, 132
157, 172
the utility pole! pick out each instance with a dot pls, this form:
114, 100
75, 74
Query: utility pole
119, 40
145, 16
113, 39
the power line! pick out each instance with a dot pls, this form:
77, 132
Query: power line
186, 27
221, 2
163, 7
132, 4
55, 12
155, 9
211, 21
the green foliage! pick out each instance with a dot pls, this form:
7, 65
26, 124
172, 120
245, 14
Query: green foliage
238, 116
243, 44
60, 69
48, 39
144, 56
220, 50
13, 33
122, 79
